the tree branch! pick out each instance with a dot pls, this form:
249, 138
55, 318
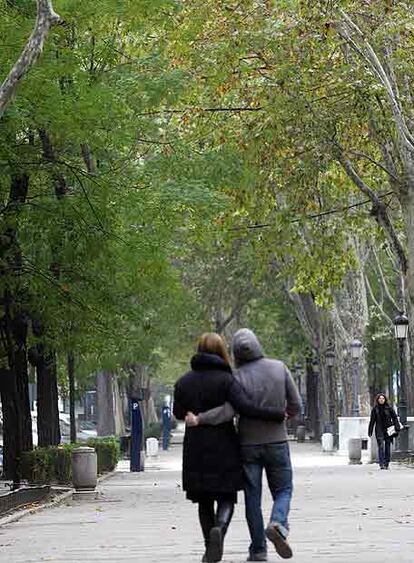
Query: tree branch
46, 17
379, 211
384, 281
370, 56
381, 166
378, 305
88, 158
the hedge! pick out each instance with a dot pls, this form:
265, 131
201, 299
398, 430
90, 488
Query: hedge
54, 463
47, 465
152, 430
108, 452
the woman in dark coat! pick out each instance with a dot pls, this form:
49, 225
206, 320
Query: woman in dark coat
212, 470
383, 417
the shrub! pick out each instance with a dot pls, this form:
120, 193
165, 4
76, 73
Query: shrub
47, 465
107, 451
54, 464
152, 430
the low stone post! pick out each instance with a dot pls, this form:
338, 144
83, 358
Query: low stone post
301, 433
84, 473
354, 451
152, 447
327, 442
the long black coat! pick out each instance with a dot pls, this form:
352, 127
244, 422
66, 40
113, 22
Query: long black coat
382, 423
211, 457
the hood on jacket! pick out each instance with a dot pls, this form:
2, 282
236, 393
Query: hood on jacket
246, 346
204, 361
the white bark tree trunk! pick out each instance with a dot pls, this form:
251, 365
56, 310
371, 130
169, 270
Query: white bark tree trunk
408, 213
347, 319
46, 17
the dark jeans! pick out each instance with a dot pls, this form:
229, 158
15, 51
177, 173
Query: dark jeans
275, 460
384, 451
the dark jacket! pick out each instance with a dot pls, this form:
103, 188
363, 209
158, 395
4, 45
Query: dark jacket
211, 458
382, 422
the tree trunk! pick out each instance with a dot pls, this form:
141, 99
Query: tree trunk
17, 421
314, 321
105, 404
408, 213
48, 428
72, 414
14, 327
44, 361
152, 413
20, 368
12, 428
140, 386
46, 17
349, 318
119, 423
48, 409
345, 320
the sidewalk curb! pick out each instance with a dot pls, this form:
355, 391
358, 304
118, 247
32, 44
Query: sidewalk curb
20, 513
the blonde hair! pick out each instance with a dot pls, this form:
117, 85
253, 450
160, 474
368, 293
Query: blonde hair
213, 343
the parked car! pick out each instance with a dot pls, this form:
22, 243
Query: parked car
84, 431
82, 435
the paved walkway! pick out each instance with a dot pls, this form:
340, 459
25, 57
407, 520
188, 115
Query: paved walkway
340, 513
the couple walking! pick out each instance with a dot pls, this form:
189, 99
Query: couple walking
218, 461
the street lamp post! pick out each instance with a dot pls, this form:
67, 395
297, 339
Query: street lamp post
330, 362
401, 333
356, 352
316, 415
298, 370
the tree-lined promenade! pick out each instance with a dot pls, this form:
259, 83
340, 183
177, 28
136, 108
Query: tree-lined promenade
145, 518
171, 167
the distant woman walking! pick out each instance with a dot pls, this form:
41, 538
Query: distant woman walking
387, 426
212, 470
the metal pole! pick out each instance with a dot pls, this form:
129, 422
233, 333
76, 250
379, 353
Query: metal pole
402, 405
309, 395
331, 401
303, 401
317, 427
72, 415
355, 402
390, 379
166, 426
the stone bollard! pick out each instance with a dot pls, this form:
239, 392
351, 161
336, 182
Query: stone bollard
354, 451
152, 447
327, 442
301, 433
84, 473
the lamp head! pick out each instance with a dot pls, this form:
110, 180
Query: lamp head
401, 326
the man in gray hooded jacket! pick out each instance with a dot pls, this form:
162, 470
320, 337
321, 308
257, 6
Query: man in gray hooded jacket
264, 444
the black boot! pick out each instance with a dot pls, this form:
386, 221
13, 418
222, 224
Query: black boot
207, 521
224, 514
225, 510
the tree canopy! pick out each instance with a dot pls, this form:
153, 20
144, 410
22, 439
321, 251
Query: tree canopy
173, 167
